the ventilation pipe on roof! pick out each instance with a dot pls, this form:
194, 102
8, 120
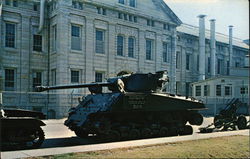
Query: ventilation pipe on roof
41, 22
202, 47
230, 46
212, 46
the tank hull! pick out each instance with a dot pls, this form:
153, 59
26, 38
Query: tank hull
145, 114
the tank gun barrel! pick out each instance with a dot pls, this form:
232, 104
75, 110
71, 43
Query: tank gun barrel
88, 85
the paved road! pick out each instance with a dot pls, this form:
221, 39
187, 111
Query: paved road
58, 135
61, 140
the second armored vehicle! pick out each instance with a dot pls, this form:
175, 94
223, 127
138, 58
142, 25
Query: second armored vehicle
21, 129
135, 108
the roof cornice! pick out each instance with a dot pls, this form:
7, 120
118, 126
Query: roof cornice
168, 11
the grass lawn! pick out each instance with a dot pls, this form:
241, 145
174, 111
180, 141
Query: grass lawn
221, 147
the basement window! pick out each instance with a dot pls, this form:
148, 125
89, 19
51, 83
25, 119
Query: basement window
197, 90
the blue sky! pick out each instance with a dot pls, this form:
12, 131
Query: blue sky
226, 12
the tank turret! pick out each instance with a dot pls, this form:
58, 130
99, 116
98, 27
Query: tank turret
134, 108
129, 83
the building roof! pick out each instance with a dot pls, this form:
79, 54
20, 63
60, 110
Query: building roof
194, 30
221, 77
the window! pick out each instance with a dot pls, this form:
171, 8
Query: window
219, 66
152, 23
125, 16
9, 79
178, 87
198, 63
148, 22
208, 64
37, 43
130, 18
74, 76
149, 49
206, 90
120, 15
77, 5
54, 37
99, 41
187, 61
37, 40
178, 38
120, 43
219, 48
228, 67
218, 90
37, 79
237, 64
35, 7
189, 41
15, 4
53, 77
178, 59
165, 52
243, 90
7, 2
131, 45
228, 91
98, 76
165, 26
75, 37
121, 1
187, 88
104, 11
10, 35
132, 3
135, 19
98, 10
197, 90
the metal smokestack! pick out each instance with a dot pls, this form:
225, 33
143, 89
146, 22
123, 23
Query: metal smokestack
212, 46
201, 47
230, 47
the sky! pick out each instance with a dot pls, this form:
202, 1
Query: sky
225, 12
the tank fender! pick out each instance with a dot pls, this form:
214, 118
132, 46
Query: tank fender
34, 122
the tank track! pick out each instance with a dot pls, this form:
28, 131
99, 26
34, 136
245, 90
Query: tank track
122, 127
15, 142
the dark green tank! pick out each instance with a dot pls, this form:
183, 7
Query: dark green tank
134, 108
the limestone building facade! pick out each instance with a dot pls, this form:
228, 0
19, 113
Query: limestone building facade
54, 42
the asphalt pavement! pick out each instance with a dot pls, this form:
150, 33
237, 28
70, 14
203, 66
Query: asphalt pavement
60, 140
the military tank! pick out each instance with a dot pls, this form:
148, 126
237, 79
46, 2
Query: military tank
134, 108
21, 129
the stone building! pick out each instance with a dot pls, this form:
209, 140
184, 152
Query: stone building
52, 42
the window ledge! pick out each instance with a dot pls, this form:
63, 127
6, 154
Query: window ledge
149, 61
76, 51
38, 52
9, 49
100, 54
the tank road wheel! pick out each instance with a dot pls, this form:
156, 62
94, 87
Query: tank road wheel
146, 133
196, 119
114, 135
163, 132
173, 131
186, 130
38, 138
242, 122
134, 134
80, 133
218, 123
